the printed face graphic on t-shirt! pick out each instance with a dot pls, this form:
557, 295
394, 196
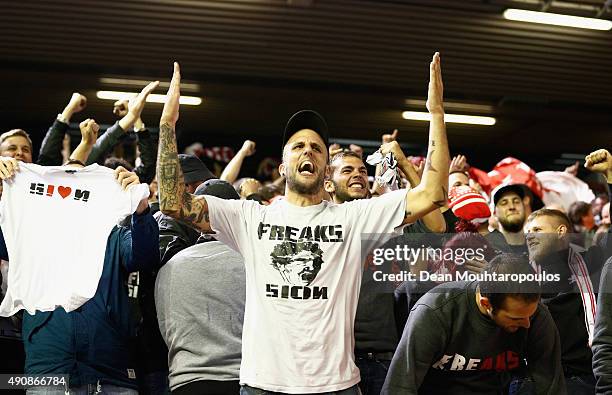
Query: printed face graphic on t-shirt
297, 262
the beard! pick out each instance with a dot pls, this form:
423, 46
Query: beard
343, 194
512, 226
311, 187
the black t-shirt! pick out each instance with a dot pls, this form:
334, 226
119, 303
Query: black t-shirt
499, 243
376, 324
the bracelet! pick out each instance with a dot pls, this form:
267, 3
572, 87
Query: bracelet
62, 119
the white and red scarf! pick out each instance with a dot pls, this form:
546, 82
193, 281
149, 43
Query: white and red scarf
580, 275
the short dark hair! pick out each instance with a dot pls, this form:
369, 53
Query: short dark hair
578, 210
113, 162
560, 216
270, 191
497, 291
345, 154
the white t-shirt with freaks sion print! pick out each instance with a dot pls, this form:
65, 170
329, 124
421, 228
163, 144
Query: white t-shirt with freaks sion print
303, 273
56, 222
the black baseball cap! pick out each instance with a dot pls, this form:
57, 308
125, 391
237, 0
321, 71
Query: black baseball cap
306, 119
194, 169
500, 190
218, 188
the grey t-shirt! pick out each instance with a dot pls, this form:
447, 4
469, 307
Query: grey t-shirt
200, 296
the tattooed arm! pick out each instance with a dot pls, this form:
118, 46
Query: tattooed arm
432, 192
174, 200
434, 221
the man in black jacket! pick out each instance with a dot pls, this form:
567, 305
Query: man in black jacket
601, 161
571, 300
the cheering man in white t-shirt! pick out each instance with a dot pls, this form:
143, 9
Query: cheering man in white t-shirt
302, 254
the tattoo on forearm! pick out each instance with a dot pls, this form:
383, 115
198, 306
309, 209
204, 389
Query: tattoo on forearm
168, 169
186, 202
192, 211
172, 194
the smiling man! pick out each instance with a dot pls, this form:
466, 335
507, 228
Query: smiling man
376, 336
16, 144
348, 177
298, 333
571, 300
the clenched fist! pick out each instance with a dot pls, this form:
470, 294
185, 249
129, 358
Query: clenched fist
77, 102
600, 161
248, 148
89, 131
120, 108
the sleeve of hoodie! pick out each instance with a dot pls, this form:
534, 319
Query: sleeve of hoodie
544, 354
105, 143
423, 341
602, 339
147, 144
51, 148
605, 243
140, 245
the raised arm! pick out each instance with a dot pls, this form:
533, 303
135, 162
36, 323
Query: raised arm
432, 192
434, 221
89, 135
108, 140
147, 145
600, 161
51, 148
231, 171
378, 189
174, 200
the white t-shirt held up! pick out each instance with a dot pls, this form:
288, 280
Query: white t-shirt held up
56, 221
303, 273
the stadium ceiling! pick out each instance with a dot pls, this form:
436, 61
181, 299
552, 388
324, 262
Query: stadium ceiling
360, 63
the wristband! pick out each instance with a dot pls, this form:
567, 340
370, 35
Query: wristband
61, 118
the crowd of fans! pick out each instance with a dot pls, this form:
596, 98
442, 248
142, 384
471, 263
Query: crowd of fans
213, 271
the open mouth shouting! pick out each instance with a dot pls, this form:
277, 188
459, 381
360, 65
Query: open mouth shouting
306, 168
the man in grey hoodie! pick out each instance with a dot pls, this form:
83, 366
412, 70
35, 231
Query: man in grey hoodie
200, 296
